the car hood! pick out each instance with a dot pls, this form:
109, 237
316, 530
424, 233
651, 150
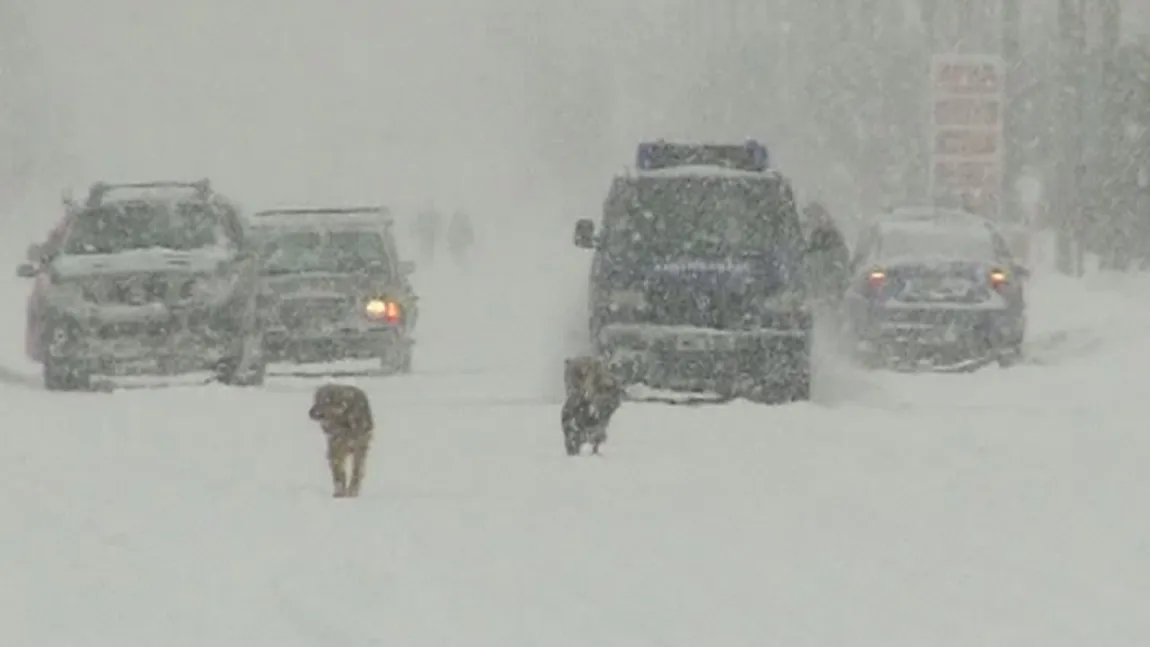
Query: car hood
140, 261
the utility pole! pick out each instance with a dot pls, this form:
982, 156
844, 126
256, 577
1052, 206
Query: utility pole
1011, 17
928, 14
1069, 173
1120, 222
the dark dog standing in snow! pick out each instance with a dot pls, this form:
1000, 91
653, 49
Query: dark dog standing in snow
344, 415
593, 396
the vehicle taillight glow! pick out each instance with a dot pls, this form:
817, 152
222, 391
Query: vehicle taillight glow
388, 311
875, 282
998, 279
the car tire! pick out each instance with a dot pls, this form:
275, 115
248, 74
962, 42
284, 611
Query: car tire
797, 388
398, 362
246, 365
1010, 356
796, 385
59, 371
229, 372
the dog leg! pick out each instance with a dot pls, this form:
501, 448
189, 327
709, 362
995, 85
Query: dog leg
572, 444
598, 437
337, 462
358, 466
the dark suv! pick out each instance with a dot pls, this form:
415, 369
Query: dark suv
156, 278
697, 283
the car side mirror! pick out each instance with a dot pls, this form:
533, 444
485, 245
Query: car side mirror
407, 268
26, 271
585, 234
34, 253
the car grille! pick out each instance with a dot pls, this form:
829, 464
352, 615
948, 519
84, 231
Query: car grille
704, 310
134, 329
138, 290
933, 316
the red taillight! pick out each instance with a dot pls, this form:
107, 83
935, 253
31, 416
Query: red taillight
998, 279
875, 280
391, 312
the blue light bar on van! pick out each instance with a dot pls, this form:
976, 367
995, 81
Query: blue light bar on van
751, 156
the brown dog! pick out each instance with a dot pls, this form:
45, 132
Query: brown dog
345, 416
593, 396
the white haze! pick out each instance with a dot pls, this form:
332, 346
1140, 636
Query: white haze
518, 111
505, 106
515, 110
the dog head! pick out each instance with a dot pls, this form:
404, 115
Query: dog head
331, 402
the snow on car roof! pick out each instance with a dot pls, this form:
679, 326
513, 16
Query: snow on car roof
703, 170
967, 237
146, 192
966, 226
930, 213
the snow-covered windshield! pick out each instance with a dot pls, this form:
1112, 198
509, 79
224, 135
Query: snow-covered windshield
339, 252
121, 227
972, 244
702, 217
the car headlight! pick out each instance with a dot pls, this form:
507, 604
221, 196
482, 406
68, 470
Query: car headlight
382, 310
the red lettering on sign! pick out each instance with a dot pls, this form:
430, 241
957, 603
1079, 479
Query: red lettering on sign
960, 111
959, 78
966, 142
966, 174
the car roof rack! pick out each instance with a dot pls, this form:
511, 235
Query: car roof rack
322, 211
749, 156
99, 190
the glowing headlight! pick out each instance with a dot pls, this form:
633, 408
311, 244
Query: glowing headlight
382, 309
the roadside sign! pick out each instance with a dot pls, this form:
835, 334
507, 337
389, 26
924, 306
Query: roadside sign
966, 133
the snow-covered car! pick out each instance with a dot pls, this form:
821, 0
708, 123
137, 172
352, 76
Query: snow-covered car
697, 283
333, 287
155, 278
941, 288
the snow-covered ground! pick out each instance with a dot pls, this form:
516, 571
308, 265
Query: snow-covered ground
1002, 507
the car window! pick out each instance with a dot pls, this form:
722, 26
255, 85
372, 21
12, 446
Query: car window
117, 228
341, 252
703, 216
945, 242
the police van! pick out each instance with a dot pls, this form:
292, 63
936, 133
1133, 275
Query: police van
697, 281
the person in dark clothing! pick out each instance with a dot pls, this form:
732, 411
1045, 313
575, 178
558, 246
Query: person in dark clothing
828, 257
427, 229
460, 236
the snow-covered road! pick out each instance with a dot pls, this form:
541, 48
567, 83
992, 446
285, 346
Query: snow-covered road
1002, 507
